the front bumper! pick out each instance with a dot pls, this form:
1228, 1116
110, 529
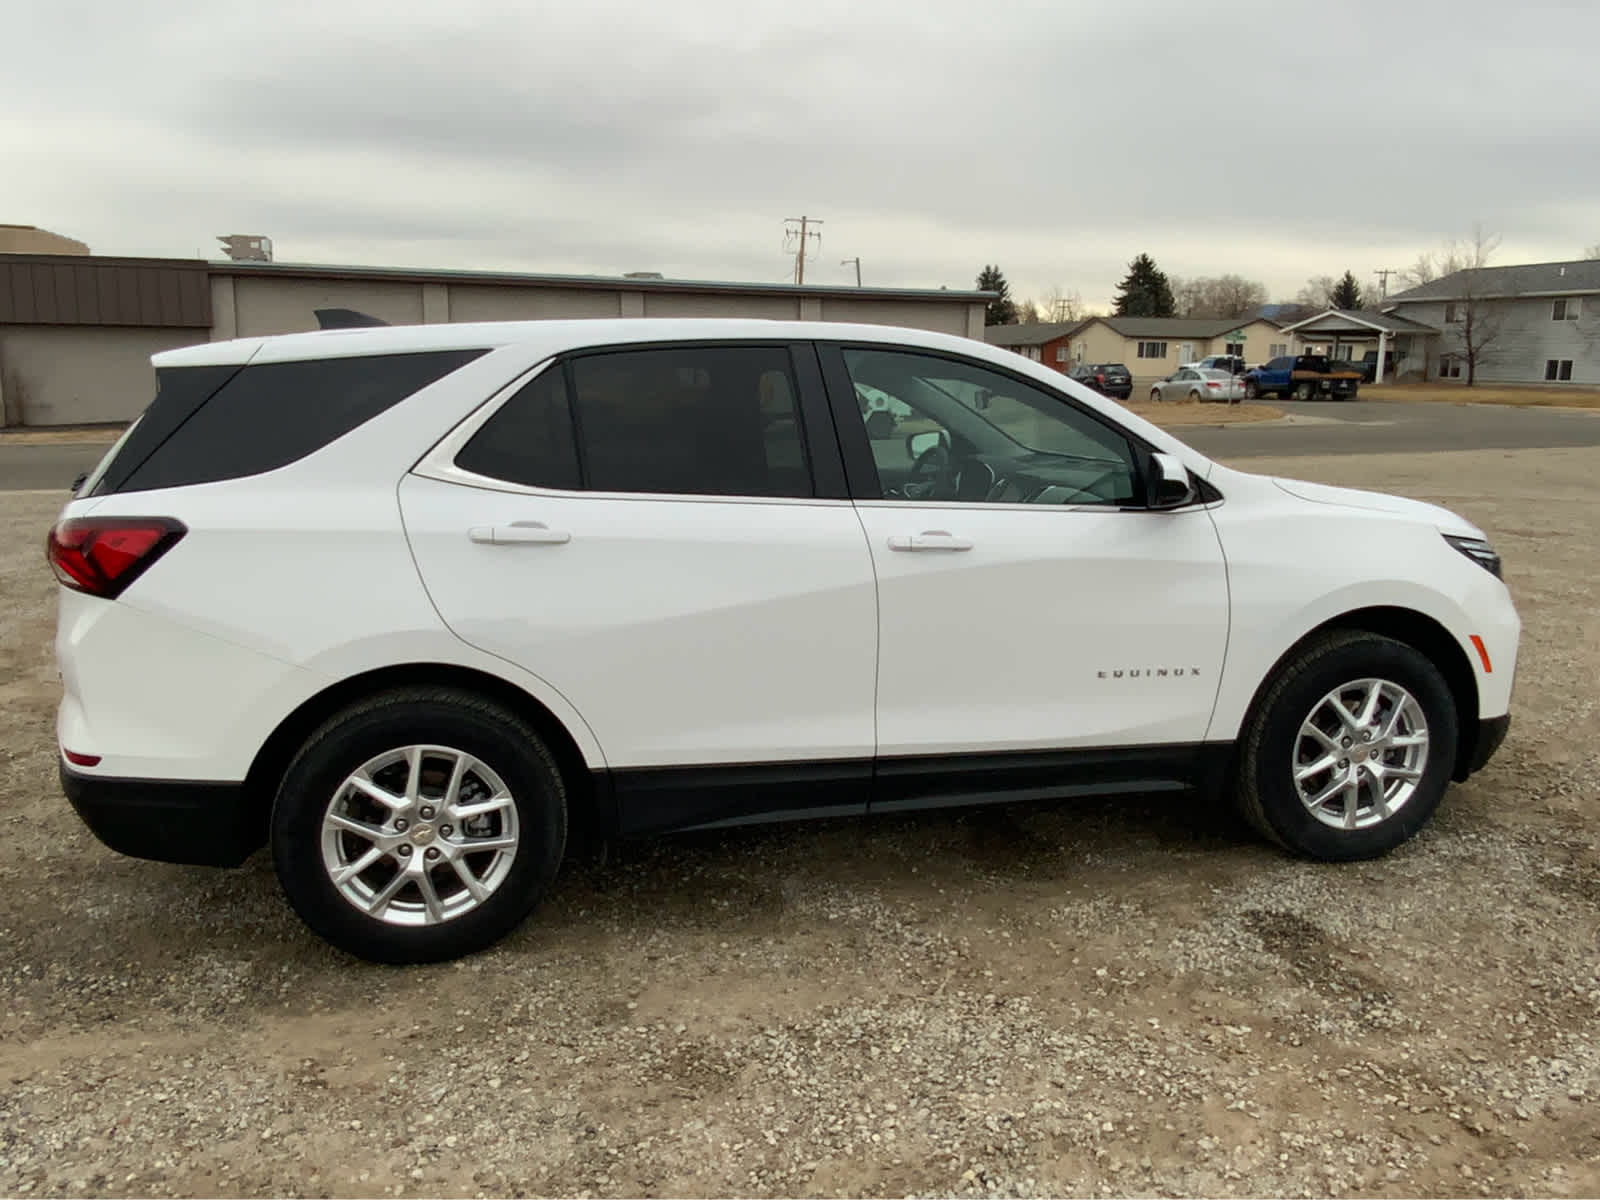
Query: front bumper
1491, 733
204, 824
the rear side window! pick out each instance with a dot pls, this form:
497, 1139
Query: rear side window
695, 420
202, 428
529, 438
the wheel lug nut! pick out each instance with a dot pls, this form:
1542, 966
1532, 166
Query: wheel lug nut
401, 825
405, 850
1345, 742
445, 831
427, 813
1343, 763
432, 852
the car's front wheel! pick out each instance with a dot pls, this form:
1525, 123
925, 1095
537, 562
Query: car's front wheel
1250, 392
1350, 750
1155, 395
418, 825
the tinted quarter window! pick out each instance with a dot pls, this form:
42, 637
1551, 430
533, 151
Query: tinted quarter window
529, 439
693, 420
180, 391
268, 416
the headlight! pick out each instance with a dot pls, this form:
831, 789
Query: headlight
1479, 551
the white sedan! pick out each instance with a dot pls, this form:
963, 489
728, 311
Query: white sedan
1198, 384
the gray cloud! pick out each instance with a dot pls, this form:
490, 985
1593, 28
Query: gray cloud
1276, 140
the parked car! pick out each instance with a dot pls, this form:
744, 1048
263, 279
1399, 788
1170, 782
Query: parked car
1109, 379
414, 607
1368, 366
1195, 383
1303, 377
1233, 364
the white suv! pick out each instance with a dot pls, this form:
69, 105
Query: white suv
407, 603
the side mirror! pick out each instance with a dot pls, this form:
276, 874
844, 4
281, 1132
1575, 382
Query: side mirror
918, 444
1168, 483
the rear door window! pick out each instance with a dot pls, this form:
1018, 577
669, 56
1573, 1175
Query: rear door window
209, 423
691, 420
529, 439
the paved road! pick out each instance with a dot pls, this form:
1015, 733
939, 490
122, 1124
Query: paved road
1376, 427
1361, 427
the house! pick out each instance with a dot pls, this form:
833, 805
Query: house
1153, 347
1404, 347
1544, 319
1048, 343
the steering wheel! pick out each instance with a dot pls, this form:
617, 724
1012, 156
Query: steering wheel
930, 474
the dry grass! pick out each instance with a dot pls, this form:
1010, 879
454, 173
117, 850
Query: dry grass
60, 437
1203, 414
1454, 393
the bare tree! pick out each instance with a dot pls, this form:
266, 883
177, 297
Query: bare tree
1477, 309
1218, 296
1027, 312
1318, 292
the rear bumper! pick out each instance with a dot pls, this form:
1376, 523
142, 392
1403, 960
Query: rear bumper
1491, 733
205, 824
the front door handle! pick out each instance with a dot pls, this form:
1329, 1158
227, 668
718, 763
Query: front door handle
519, 533
928, 539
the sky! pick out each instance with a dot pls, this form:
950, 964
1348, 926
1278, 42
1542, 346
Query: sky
1277, 140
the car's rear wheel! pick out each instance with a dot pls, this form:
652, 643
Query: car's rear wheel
1155, 395
1303, 392
1194, 397
1350, 750
418, 825
1250, 390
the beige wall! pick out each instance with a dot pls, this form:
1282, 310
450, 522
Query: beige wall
942, 318
264, 306
26, 239
81, 374
668, 304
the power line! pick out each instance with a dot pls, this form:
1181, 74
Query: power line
1383, 281
800, 235
857, 261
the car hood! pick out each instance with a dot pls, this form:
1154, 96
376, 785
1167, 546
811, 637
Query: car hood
1416, 510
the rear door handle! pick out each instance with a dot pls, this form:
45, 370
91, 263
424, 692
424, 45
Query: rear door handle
928, 539
519, 533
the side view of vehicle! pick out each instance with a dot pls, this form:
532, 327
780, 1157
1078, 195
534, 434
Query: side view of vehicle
1303, 377
1233, 364
1199, 384
413, 607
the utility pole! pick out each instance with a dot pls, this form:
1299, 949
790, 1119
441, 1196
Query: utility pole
857, 261
802, 234
1383, 281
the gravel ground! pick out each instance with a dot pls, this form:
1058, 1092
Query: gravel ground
1095, 998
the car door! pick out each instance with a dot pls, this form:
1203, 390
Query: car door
662, 535
1028, 600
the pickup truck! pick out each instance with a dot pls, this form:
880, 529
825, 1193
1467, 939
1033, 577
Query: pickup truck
1303, 377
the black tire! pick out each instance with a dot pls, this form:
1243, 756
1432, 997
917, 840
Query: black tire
1250, 391
1195, 397
426, 716
1303, 392
1155, 395
1267, 794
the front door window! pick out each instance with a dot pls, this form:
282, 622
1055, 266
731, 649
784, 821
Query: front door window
945, 430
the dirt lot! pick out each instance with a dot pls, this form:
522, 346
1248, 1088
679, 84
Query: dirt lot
1126, 997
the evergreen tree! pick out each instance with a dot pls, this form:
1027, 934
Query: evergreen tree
1145, 292
1346, 293
1002, 309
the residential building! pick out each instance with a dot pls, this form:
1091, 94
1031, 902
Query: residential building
1544, 319
1404, 346
1047, 343
1153, 347
30, 239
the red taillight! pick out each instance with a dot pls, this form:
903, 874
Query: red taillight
81, 760
1099, 378
103, 555
1213, 385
